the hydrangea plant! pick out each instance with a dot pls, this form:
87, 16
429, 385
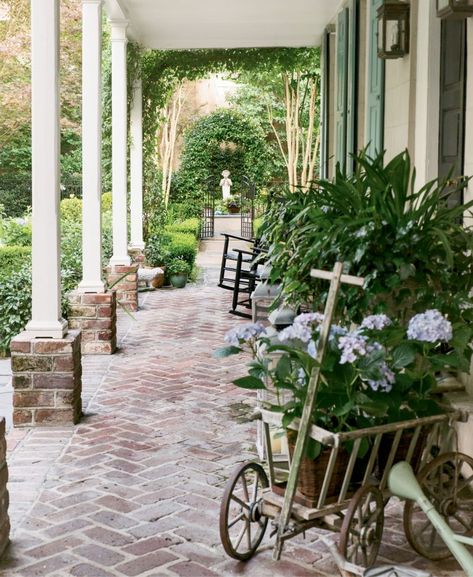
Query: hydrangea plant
377, 373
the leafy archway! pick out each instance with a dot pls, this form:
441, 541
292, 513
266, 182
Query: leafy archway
222, 140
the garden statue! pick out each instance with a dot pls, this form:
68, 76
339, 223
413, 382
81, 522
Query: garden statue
226, 184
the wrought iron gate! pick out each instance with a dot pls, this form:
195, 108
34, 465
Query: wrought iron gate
208, 210
248, 193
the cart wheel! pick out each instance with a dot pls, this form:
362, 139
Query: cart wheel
447, 482
242, 525
362, 528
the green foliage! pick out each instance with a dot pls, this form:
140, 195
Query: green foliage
233, 201
71, 253
15, 193
71, 209
188, 226
178, 266
106, 201
16, 231
13, 258
15, 305
181, 245
221, 140
408, 244
169, 245
156, 251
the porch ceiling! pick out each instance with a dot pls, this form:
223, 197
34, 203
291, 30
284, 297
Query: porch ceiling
187, 24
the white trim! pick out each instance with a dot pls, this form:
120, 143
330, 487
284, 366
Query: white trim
427, 92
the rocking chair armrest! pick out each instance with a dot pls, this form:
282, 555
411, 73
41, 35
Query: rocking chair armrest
226, 235
241, 251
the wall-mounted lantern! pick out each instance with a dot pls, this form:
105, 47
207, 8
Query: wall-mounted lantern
393, 29
454, 8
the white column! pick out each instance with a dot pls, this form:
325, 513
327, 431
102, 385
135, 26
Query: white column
46, 319
427, 93
119, 144
91, 147
136, 167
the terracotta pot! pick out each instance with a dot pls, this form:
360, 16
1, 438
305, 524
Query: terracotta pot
158, 280
233, 209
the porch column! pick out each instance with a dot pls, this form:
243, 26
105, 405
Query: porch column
119, 144
136, 167
92, 147
46, 319
46, 358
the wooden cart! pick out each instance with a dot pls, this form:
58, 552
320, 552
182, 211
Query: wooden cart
356, 508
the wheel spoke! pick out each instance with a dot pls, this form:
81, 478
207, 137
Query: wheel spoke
236, 520
433, 536
248, 533
240, 537
462, 521
240, 502
466, 483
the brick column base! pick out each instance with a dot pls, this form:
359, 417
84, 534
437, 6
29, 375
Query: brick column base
47, 380
127, 287
95, 315
4, 499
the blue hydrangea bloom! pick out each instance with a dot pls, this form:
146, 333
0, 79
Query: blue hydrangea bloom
376, 322
385, 384
352, 346
244, 333
430, 327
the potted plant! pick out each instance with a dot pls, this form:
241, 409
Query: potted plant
233, 204
408, 243
178, 270
379, 373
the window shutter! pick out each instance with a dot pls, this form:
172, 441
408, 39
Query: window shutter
342, 89
375, 100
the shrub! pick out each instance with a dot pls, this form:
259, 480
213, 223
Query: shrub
71, 209
106, 201
181, 245
188, 226
156, 251
13, 258
16, 231
15, 305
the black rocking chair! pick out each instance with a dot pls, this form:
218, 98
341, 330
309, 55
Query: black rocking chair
239, 273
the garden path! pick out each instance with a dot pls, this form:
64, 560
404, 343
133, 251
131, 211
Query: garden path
135, 488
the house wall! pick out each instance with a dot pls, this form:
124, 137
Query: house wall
400, 98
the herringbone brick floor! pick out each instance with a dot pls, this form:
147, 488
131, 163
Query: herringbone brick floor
135, 488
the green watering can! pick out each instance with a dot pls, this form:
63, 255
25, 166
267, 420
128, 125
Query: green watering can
403, 484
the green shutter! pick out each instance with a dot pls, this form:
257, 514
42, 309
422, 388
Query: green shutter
375, 97
352, 101
325, 97
342, 89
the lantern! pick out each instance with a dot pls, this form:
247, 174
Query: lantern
393, 29
454, 8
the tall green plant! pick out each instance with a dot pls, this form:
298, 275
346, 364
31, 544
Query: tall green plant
408, 244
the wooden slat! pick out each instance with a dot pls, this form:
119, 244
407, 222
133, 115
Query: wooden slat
413, 443
328, 477
372, 459
345, 278
389, 463
269, 452
349, 471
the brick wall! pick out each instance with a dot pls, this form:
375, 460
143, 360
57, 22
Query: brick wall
124, 280
4, 499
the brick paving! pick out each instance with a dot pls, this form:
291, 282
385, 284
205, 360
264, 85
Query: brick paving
135, 488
